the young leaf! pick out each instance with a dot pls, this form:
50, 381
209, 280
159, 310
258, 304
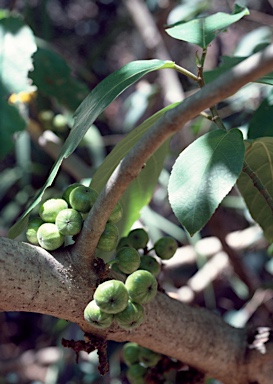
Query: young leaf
203, 175
205, 29
140, 191
259, 157
17, 45
101, 96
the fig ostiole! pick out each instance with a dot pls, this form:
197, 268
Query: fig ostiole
138, 238
96, 317
49, 236
165, 247
141, 286
32, 229
69, 222
109, 238
49, 210
131, 317
111, 296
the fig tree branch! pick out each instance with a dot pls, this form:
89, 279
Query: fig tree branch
173, 120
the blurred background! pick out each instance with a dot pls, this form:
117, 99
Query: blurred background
226, 267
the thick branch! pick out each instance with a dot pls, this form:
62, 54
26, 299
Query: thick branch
32, 280
173, 120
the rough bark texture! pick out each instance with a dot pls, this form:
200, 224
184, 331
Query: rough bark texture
63, 283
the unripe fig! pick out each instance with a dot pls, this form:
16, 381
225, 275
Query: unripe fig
149, 263
131, 317
130, 353
136, 372
148, 358
123, 242
128, 260
49, 236
109, 238
68, 190
138, 238
82, 198
59, 122
96, 317
69, 222
141, 286
116, 214
32, 230
49, 210
111, 296
165, 247
114, 267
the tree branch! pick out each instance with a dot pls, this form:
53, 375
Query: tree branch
34, 281
173, 120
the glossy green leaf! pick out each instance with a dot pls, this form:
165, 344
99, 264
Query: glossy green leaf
101, 96
205, 29
203, 175
17, 45
259, 157
52, 76
140, 191
227, 64
261, 124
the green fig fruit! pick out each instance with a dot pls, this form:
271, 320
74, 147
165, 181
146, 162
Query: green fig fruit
109, 238
69, 222
111, 296
123, 242
96, 317
49, 236
138, 238
127, 259
116, 214
141, 286
148, 357
32, 229
136, 372
149, 263
130, 353
68, 190
82, 198
165, 247
49, 210
131, 317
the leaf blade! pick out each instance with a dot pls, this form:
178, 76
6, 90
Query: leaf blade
203, 175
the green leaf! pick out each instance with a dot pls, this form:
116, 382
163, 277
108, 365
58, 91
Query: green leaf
140, 191
101, 96
259, 157
205, 29
52, 76
203, 175
230, 62
17, 45
260, 124
10, 122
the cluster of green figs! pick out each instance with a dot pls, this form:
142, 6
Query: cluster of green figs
113, 300
123, 302
62, 218
139, 361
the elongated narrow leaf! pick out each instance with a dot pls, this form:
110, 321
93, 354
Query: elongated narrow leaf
140, 191
101, 96
17, 45
260, 124
203, 30
259, 157
203, 175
